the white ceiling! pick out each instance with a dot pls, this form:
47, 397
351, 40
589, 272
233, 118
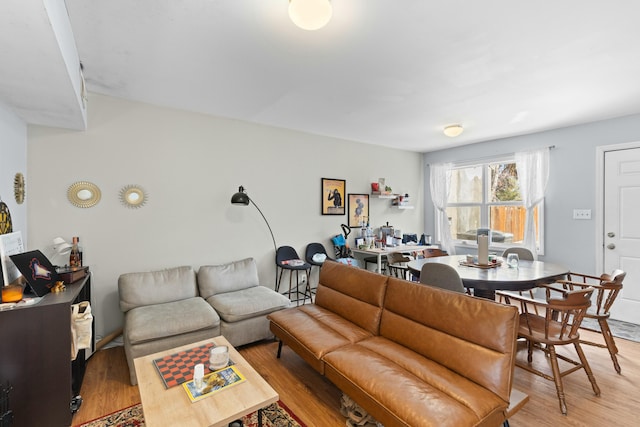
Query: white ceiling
384, 72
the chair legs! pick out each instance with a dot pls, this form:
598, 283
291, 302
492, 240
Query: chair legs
587, 369
610, 343
557, 378
557, 375
307, 290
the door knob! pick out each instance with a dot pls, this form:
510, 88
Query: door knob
611, 234
611, 246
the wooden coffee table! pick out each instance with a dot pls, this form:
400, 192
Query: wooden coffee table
172, 407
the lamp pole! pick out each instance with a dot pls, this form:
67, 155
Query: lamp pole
242, 198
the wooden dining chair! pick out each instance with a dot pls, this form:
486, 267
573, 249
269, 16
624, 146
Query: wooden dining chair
397, 264
607, 287
523, 254
557, 324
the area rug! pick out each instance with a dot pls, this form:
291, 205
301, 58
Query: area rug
619, 329
274, 415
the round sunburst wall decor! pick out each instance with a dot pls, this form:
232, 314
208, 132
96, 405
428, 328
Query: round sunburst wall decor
18, 188
133, 196
83, 194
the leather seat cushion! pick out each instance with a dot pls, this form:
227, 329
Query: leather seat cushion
313, 331
406, 385
152, 322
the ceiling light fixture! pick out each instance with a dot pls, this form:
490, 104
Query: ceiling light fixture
453, 130
310, 14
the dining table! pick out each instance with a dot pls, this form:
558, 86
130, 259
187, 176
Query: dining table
380, 252
485, 280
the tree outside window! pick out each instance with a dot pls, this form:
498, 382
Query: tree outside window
487, 196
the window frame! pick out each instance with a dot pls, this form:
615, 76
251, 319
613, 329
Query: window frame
485, 206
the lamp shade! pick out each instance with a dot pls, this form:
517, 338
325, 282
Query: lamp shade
310, 14
61, 246
240, 198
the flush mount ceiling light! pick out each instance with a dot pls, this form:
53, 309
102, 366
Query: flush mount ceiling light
453, 130
310, 14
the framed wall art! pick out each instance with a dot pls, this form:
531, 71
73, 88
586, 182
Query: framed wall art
333, 196
358, 208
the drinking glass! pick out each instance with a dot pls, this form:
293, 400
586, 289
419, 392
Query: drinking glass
219, 357
512, 260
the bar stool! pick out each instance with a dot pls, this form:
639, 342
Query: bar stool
287, 259
312, 250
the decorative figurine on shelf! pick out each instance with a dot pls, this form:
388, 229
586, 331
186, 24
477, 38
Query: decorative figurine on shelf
58, 287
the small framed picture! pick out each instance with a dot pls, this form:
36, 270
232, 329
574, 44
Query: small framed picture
358, 209
333, 194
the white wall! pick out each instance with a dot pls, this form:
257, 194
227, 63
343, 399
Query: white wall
13, 159
190, 164
572, 182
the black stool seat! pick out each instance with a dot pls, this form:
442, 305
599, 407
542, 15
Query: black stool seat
313, 249
287, 259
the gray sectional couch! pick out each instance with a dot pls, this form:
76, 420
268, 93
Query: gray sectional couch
177, 306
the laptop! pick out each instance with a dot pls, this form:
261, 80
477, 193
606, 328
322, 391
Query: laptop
37, 270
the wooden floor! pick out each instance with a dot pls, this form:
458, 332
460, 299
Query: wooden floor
316, 401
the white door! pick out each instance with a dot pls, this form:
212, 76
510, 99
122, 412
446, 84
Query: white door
622, 228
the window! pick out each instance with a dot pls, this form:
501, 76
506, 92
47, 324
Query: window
487, 195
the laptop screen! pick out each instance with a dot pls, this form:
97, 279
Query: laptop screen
37, 270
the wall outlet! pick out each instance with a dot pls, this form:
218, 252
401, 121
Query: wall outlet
582, 214
303, 278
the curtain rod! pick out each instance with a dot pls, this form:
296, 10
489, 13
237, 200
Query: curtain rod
496, 156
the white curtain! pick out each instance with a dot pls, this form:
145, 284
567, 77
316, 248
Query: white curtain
439, 182
533, 175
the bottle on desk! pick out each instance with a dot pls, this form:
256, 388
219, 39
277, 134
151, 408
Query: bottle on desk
75, 257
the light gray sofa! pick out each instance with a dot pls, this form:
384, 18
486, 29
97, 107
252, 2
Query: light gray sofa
234, 291
167, 308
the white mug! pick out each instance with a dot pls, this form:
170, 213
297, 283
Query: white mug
218, 357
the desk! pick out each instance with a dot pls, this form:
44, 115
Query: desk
172, 407
485, 281
387, 250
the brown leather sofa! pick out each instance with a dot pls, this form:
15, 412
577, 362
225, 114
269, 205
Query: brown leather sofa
409, 354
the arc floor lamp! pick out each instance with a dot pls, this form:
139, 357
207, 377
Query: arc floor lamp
242, 199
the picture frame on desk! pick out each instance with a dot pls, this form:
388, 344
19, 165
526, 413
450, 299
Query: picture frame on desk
332, 197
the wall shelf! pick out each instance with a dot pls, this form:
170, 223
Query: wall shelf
380, 195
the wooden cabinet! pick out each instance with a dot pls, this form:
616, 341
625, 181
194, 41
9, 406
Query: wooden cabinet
35, 358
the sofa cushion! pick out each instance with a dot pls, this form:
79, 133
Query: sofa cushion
313, 331
412, 389
146, 323
156, 287
458, 331
341, 291
234, 276
247, 303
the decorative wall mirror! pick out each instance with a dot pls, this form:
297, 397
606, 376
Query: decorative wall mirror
18, 188
83, 194
133, 196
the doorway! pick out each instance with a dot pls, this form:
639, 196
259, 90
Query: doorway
619, 231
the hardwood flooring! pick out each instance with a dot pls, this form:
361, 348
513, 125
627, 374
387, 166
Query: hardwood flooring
316, 401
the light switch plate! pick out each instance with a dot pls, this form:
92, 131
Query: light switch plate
582, 214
